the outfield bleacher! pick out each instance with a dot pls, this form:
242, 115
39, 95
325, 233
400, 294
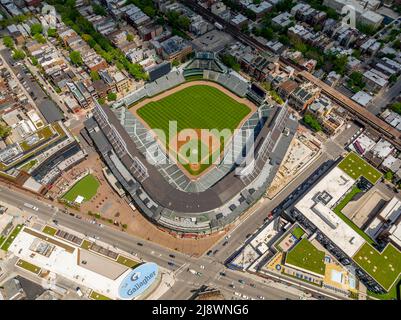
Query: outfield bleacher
156, 87
229, 81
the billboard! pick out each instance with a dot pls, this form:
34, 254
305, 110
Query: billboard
160, 70
138, 280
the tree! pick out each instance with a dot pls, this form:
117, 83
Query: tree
184, 22
149, 11
356, 53
274, 95
51, 32
101, 101
245, 28
340, 63
8, 42
76, 58
130, 37
99, 10
230, 62
393, 78
111, 96
175, 63
388, 176
356, 81
39, 38
94, 75
396, 107
18, 55
366, 28
36, 28
312, 122
34, 61
397, 44
4, 131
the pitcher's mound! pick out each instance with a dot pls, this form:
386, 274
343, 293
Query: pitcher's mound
194, 166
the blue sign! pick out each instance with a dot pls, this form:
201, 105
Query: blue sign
138, 280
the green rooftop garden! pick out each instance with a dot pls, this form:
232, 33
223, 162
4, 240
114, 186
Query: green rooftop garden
305, 256
298, 232
49, 230
86, 244
384, 267
32, 150
390, 295
43, 135
97, 296
355, 167
126, 261
28, 266
27, 166
10, 239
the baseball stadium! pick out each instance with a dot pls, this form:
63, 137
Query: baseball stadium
195, 148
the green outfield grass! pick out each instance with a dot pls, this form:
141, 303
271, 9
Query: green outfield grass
196, 107
355, 167
304, 255
385, 267
86, 187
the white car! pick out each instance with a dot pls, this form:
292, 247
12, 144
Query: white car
202, 266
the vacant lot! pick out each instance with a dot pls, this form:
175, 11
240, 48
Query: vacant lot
355, 167
86, 187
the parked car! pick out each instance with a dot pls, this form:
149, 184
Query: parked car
140, 244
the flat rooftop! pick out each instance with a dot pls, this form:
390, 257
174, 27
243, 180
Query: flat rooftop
68, 263
332, 188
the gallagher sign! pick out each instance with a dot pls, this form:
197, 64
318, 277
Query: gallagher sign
138, 280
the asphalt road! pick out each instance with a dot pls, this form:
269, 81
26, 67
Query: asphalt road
382, 100
148, 252
209, 266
